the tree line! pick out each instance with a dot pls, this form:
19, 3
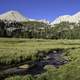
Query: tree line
34, 29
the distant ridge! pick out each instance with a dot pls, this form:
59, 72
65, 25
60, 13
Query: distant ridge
16, 16
41, 20
72, 19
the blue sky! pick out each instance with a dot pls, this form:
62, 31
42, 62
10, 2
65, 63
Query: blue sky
40, 9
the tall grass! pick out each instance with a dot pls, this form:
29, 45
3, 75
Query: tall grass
16, 50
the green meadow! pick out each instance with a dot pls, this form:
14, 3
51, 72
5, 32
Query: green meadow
13, 49
17, 51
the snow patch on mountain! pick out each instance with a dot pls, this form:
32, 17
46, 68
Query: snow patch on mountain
67, 18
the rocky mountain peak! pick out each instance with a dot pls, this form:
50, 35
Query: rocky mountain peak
13, 16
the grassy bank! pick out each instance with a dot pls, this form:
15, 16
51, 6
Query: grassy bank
15, 51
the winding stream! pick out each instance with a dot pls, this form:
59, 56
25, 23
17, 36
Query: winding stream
53, 57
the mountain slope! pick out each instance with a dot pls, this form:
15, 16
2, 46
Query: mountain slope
13, 16
16, 16
72, 19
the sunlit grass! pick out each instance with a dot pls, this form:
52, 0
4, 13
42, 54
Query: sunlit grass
17, 50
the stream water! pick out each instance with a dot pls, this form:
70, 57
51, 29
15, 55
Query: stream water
53, 57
